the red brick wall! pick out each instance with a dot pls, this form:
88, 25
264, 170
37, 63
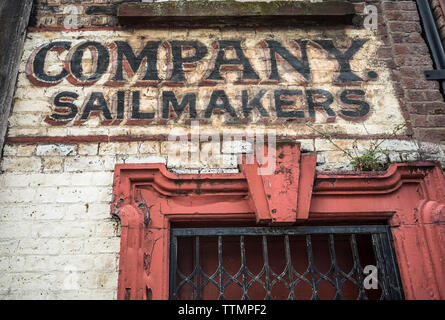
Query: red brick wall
407, 54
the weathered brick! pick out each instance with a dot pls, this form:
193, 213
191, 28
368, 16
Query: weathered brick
150, 147
56, 150
116, 148
21, 164
88, 163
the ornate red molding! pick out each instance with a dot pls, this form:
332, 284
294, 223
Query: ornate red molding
410, 197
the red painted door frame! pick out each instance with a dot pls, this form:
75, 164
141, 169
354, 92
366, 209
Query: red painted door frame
410, 197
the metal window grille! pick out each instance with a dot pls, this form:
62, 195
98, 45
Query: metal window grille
325, 262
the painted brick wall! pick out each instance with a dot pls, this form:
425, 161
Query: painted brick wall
410, 57
57, 236
438, 7
405, 52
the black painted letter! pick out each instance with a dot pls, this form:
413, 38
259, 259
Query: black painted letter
325, 105
135, 113
279, 103
248, 72
301, 66
254, 103
93, 106
168, 97
102, 61
38, 65
224, 105
178, 60
351, 113
71, 107
149, 54
343, 59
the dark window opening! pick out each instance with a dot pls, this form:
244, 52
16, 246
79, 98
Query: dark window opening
308, 262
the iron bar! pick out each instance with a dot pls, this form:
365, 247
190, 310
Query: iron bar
311, 268
267, 269
338, 295
220, 269
433, 39
289, 268
198, 269
358, 268
380, 265
245, 287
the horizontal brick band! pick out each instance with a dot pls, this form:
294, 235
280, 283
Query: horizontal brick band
129, 138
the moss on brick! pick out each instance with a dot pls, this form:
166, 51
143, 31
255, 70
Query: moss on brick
200, 8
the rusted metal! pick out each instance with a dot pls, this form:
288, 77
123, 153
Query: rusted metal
244, 278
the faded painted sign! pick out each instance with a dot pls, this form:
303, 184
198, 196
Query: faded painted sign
162, 79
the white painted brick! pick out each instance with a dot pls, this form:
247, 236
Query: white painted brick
52, 164
50, 246
106, 280
184, 171
394, 157
107, 228
12, 263
22, 211
89, 163
410, 156
21, 150
21, 164
399, 145
59, 294
9, 150
117, 148
336, 161
72, 194
307, 145
178, 161
105, 261
143, 159
237, 146
28, 281
102, 245
176, 147
150, 147
14, 230
62, 229
95, 211
26, 150
320, 159
88, 149
56, 179
91, 179
17, 195
56, 150
218, 171
8, 247
48, 263
326, 145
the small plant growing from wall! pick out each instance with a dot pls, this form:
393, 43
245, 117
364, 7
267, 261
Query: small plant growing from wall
369, 159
